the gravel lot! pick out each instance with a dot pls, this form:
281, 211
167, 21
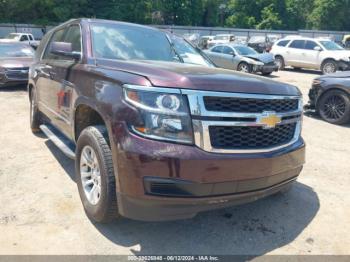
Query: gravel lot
41, 211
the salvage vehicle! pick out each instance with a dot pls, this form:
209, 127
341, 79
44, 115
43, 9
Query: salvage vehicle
156, 130
203, 41
319, 54
346, 41
260, 43
21, 37
221, 39
330, 97
15, 59
242, 58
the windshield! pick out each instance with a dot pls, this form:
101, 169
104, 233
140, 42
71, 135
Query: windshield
330, 45
7, 51
222, 37
125, 42
245, 50
12, 36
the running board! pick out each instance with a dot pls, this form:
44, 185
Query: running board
59, 140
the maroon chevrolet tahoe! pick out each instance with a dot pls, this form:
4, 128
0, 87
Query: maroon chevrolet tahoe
156, 130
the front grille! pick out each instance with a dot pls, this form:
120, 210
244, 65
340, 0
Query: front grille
248, 105
250, 137
17, 73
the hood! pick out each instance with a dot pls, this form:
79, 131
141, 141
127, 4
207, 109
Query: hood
178, 75
339, 53
342, 74
16, 62
265, 57
8, 41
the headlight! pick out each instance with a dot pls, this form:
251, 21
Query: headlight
164, 112
316, 82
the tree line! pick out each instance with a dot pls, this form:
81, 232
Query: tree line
259, 14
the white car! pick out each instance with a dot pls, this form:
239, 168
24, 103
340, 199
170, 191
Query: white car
20, 37
221, 39
320, 54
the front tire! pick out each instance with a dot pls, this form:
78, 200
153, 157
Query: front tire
334, 107
329, 67
244, 67
35, 118
95, 175
280, 62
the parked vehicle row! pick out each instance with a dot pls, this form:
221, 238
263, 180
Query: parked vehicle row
319, 54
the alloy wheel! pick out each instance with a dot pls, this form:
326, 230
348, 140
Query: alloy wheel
244, 68
329, 68
90, 175
334, 107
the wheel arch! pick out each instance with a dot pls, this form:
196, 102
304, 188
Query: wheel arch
327, 59
329, 89
87, 114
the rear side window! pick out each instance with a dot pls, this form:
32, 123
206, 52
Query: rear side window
310, 45
227, 50
217, 49
283, 42
297, 44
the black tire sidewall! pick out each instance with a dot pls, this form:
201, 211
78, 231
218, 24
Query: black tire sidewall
323, 99
280, 58
99, 211
34, 114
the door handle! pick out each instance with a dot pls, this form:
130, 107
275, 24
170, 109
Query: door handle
52, 74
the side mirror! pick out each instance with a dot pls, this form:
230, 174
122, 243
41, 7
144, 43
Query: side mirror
64, 49
317, 48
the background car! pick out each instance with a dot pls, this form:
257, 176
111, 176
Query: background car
311, 53
260, 43
221, 39
242, 58
203, 41
15, 59
330, 97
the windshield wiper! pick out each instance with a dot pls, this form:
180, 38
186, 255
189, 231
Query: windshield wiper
174, 49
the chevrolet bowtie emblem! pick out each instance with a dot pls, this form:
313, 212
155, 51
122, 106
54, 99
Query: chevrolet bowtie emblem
269, 119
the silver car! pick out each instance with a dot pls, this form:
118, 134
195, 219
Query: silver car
242, 58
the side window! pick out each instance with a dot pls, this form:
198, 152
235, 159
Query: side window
283, 43
297, 44
310, 45
227, 50
217, 49
24, 38
31, 38
73, 36
56, 37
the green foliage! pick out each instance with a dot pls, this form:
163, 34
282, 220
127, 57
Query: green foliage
260, 14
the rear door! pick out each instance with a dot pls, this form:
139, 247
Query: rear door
215, 54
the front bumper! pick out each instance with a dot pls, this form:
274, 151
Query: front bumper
211, 180
264, 69
343, 65
8, 80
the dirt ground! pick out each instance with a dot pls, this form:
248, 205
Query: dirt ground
41, 212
